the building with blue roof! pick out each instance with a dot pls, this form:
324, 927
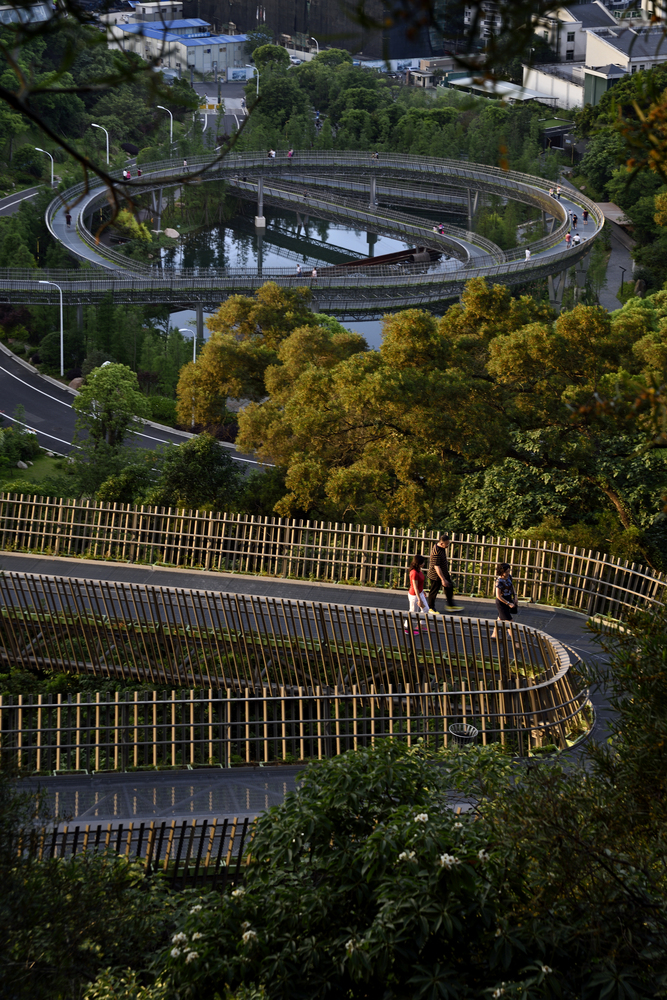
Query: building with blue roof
181, 44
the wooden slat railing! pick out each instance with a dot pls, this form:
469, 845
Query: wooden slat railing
120, 731
208, 853
577, 578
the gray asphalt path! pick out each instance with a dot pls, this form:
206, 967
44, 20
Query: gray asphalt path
620, 260
189, 794
12, 202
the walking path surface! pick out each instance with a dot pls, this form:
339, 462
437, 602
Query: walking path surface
205, 793
619, 259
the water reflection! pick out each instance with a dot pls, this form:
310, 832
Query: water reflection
287, 240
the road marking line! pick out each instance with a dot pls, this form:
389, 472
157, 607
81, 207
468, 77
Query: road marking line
34, 388
43, 433
18, 201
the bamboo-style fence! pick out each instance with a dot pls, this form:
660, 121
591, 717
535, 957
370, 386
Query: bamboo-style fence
187, 638
208, 853
121, 731
564, 575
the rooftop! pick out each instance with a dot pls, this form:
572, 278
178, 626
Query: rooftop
500, 88
637, 43
200, 36
591, 15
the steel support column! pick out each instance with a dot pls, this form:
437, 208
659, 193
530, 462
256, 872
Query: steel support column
260, 221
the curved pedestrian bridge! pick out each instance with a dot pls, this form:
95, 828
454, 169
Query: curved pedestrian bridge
397, 195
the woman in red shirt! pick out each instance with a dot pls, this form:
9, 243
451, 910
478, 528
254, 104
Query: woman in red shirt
416, 595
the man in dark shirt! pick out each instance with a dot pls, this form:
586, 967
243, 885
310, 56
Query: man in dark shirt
438, 574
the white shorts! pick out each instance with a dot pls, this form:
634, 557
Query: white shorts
418, 604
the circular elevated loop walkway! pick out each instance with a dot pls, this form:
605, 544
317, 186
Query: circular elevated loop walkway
370, 292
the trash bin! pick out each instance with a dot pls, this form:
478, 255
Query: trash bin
464, 734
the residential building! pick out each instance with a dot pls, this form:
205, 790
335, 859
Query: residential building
566, 28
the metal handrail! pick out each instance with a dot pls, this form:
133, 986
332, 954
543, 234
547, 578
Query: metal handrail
452, 169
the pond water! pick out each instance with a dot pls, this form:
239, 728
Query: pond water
285, 242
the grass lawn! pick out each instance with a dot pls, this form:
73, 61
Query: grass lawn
43, 467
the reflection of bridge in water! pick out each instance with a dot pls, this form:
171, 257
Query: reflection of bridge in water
349, 187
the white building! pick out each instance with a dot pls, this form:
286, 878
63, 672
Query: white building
182, 45
611, 52
566, 28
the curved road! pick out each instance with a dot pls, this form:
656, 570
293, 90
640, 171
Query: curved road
49, 413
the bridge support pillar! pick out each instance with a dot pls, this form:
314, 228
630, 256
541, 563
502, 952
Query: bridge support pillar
473, 201
371, 239
373, 197
199, 312
260, 221
556, 289
302, 220
79, 316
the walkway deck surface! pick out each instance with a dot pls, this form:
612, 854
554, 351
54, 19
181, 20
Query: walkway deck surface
207, 793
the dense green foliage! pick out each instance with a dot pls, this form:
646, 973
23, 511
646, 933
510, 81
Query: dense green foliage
606, 176
484, 420
362, 109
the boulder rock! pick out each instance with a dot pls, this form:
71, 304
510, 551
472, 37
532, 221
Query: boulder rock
76, 383
21, 465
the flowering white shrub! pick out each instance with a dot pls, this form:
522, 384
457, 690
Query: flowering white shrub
406, 855
448, 861
421, 818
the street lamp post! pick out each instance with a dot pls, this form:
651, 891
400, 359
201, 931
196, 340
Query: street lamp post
171, 123
316, 43
185, 329
62, 348
50, 157
623, 270
257, 75
92, 125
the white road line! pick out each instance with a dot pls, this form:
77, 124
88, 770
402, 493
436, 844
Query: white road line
19, 200
34, 388
35, 431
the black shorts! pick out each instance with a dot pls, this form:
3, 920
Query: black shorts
503, 611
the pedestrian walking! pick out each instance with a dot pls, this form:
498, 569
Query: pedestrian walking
68, 219
290, 153
298, 270
185, 166
558, 192
551, 192
506, 602
584, 216
313, 274
417, 603
568, 239
438, 574
576, 239
569, 211
138, 171
575, 219
527, 254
